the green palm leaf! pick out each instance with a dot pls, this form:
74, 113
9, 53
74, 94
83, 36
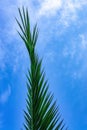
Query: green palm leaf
42, 112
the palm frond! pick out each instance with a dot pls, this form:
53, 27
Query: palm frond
42, 112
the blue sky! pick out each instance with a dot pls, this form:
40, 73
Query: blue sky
62, 43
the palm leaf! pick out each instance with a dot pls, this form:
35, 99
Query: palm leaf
42, 112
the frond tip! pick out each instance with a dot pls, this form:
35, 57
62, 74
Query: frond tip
42, 112
29, 38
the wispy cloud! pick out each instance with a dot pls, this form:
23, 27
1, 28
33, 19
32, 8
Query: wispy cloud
76, 54
5, 95
83, 38
66, 11
49, 7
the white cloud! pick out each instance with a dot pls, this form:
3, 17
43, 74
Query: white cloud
66, 11
69, 11
5, 95
76, 52
83, 38
49, 6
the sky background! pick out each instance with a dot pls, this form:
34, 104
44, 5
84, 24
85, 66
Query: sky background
62, 43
